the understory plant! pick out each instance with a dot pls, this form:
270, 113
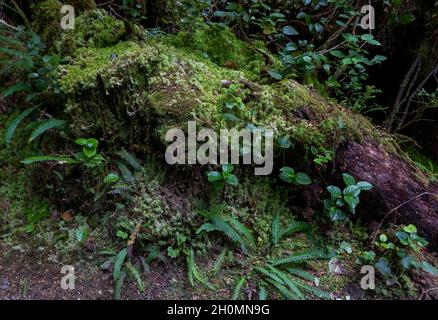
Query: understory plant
399, 252
285, 276
343, 202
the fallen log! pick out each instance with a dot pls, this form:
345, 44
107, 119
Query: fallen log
401, 191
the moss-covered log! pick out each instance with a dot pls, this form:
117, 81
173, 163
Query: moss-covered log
131, 93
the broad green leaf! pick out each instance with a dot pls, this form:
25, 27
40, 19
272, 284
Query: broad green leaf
81, 142
348, 179
275, 74
302, 179
289, 31
410, 228
287, 174
352, 191
111, 178
214, 176
335, 192
337, 214
429, 268
337, 54
82, 234
228, 168
382, 265
403, 237
363, 185
231, 180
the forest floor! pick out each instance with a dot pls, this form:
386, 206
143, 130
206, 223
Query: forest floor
27, 276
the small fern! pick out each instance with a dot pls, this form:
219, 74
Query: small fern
136, 275
130, 159
194, 274
118, 264
301, 257
127, 175
217, 265
296, 227
238, 288
12, 127
276, 229
60, 159
119, 285
232, 228
45, 126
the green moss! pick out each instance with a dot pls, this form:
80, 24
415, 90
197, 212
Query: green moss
163, 80
257, 201
46, 17
95, 29
221, 46
82, 5
154, 86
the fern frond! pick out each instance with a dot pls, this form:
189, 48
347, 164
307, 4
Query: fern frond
130, 159
11, 41
21, 86
61, 159
222, 225
296, 227
237, 289
283, 290
301, 257
217, 265
301, 273
119, 285
276, 229
120, 258
242, 229
44, 126
269, 274
134, 272
126, 173
194, 273
315, 291
13, 53
288, 281
10, 130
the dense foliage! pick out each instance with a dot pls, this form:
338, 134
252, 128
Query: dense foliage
84, 112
